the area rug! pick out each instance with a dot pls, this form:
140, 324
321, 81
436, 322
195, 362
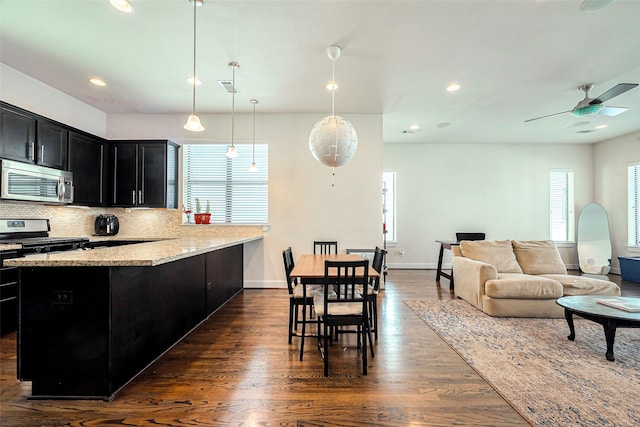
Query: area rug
548, 379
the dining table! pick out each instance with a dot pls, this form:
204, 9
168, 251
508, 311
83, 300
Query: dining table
309, 269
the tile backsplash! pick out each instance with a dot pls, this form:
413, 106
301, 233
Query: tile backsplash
71, 221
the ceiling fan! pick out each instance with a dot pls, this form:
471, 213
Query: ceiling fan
589, 106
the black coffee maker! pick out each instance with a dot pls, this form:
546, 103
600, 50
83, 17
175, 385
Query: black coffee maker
106, 225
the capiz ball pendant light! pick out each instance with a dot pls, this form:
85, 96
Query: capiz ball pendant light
231, 151
333, 139
193, 122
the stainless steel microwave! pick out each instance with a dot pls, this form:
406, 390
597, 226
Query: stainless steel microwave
33, 183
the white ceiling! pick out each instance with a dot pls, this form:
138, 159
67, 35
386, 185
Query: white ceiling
515, 60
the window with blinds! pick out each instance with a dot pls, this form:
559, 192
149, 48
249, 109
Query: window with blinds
561, 205
389, 204
235, 195
633, 200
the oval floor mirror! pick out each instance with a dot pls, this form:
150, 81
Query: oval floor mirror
594, 241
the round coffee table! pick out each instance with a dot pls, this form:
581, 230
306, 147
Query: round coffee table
588, 307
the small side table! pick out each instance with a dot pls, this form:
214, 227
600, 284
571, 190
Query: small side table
445, 244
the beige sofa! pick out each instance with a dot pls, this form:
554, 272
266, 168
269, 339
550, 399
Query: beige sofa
512, 278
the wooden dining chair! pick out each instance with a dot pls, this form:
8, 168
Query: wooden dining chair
346, 307
325, 247
297, 299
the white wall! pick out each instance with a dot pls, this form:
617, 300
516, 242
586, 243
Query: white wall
25, 92
502, 190
303, 205
611, 159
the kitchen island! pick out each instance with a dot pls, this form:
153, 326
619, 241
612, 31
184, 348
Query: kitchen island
91, 320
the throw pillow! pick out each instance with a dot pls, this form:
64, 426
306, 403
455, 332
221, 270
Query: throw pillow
539, 257
498, 253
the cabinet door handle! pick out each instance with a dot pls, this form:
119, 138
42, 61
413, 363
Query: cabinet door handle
32, 152
42, 154
133, 197
140, 198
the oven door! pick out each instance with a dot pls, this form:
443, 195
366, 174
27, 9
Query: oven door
22, 181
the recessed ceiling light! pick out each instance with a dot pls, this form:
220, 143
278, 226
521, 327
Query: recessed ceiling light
414, 127
190, 80
453, 87
96, 81
123, 5
601, 126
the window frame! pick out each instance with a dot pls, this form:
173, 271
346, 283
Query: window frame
226, 178
562, 215
633, 206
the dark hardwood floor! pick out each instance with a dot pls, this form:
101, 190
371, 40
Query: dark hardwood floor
237, 369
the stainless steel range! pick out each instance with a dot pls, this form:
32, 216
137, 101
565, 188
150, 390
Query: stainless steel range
28, 236
33, 236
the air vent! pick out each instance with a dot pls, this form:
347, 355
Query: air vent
227, 85
585, 131
409, 131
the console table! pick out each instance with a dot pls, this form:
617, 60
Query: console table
445, 244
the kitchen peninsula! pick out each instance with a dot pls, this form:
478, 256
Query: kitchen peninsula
92, 320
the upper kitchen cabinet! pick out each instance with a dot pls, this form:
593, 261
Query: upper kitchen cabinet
17, 134
87, 161
29, 138
52, 140
144, 174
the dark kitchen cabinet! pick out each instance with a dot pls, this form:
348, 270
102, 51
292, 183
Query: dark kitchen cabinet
29, 138
52, 140
17, 134
87, 161
8, 294
144, 174
224, 276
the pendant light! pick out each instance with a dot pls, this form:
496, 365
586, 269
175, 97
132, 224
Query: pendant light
193, 122
333, 139
231, 151
253, 167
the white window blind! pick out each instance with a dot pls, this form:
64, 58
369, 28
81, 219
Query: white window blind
561, 205
235, 195
633, 200
389, 204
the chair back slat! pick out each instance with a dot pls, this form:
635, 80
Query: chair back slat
325, 247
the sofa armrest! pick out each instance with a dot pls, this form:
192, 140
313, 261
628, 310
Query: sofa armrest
470, 276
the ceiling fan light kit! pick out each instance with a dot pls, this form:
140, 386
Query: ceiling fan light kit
589, 106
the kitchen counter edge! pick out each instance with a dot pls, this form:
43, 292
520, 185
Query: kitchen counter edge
147, 254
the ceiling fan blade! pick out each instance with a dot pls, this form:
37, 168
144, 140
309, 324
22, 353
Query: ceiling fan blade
547, 116
613, 92
612, 111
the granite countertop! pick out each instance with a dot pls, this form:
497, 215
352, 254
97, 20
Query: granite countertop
141, 254
9, 247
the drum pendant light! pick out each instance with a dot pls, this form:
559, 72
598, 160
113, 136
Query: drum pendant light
333, 139
193, 122
231, 151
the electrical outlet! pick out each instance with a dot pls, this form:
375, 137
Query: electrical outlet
62, 297
401, 253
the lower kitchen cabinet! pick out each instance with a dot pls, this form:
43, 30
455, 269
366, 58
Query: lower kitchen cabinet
85, 332
223, 276
8, 294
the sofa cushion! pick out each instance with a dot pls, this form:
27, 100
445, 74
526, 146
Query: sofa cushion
522, 286
538, 257
498, 253
582, 285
